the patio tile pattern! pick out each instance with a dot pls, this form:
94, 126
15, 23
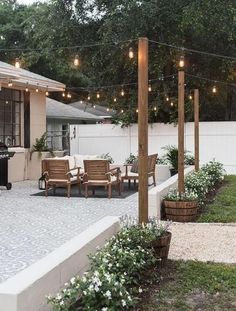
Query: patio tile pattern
31, 227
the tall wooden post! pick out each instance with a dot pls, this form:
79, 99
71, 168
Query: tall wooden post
181, 131
196, 129
143, 128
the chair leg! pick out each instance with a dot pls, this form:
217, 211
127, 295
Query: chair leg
134, 182
46, 190
79, 185
109, 191
86, 190
68, 191
154, 181
93, 191
129, 183
119, 188
54, 189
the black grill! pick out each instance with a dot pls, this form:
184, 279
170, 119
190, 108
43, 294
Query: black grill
5, 155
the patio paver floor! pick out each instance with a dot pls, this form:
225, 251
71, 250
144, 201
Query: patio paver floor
31, 227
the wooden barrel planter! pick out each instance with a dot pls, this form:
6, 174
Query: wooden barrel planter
161, 247
181, 211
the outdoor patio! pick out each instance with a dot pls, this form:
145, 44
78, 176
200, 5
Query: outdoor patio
34, 226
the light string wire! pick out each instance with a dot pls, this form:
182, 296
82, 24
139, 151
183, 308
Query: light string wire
183, 49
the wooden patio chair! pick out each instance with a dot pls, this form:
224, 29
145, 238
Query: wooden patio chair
58, 174
132, 174
98, 173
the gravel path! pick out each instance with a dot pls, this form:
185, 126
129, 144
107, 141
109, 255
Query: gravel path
203, 242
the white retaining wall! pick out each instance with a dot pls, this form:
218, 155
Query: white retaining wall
217, 140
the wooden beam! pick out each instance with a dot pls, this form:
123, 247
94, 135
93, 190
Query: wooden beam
196, 129
181, 131
143, 128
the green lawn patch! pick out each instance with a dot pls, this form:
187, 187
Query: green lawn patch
223, 209
186, 286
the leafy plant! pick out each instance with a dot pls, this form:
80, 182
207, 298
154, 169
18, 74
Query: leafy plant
116, 271
108, 157
174, 195
40, 145
131, 159
171, 156
189, 159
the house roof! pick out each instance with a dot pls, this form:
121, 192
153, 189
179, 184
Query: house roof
20, 77
58, 110
98, 110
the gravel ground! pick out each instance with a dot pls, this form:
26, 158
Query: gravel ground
203, 242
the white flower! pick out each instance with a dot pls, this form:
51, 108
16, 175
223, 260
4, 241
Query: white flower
108, 294
62, 303
123, 302
84, 292
72, 280
104, 309
58, 297
140, 290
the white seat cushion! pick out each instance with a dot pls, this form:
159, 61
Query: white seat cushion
71, 161
131, 174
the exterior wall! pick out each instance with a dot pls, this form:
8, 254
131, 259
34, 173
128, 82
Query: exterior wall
217, 141
17, 166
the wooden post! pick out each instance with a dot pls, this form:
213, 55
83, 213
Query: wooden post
143, 128
181, 131
196, 129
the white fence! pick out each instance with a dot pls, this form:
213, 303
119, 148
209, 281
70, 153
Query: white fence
217, 140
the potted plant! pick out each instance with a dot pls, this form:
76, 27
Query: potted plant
108, 157
171, 157
161, 238
131, 159
181, 207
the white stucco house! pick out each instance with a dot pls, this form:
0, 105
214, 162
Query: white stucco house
22, 114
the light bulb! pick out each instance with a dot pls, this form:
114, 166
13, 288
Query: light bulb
17, 63
47, 93
131, 53
76, 60
88, 98
98, 95
122, 111
122, 93
94, 106
190, 97
137, 110
115, 100
63, 94
69, 95
155, 108
167, 98
149, 88
10, 83
172, 104
37, 88
181, 62
214, 90
27, 88
108, 109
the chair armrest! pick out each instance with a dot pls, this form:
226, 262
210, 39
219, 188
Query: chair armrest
114, 169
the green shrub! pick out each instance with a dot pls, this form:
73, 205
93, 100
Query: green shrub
113, 281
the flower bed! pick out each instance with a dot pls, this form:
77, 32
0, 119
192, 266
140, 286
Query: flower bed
113, 281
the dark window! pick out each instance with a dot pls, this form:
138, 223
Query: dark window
10, 117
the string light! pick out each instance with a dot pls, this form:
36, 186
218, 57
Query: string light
27, 87
172, 104
214, 89
181, 62
10, 84
155, 108
94, 106
108, 109
37, 88
149, 88
63, 94
137, 110
115, 100
76, 60
122, 93
122, 111
69, 95
17, 63
131, 53
190, 97
47, 93
89, 97
167, 98
98, 95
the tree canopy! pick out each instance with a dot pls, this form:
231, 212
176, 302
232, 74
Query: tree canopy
203, 25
